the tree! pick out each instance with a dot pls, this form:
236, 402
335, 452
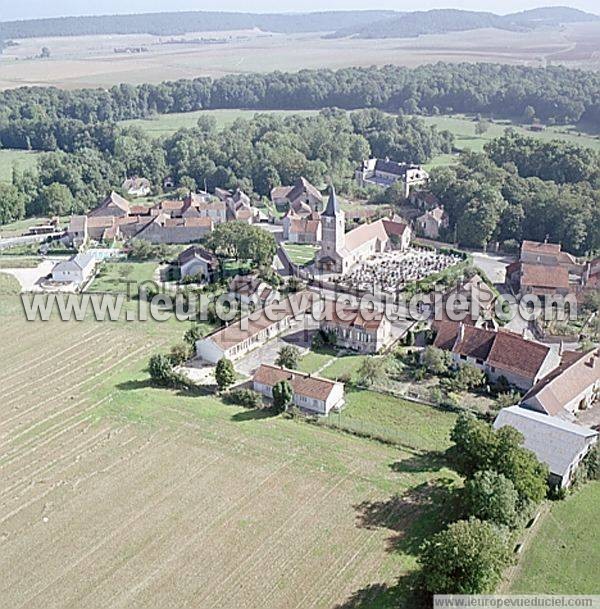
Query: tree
56, 200
482, 127
492, 496
179, 354
469, 557
437, 361
224, 373
45, 53
283, 394
371, 371
12, 204
528, 114
478, 447
468, 377
192, 335
288, 357
161, 369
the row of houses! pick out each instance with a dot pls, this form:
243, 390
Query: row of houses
169, 221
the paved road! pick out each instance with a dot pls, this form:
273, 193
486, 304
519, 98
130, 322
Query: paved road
13, 241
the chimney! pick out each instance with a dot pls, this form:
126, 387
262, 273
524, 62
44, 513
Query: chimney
461, 331
561, 347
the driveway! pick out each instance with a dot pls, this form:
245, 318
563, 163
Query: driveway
298, 335
493, 265
29, 278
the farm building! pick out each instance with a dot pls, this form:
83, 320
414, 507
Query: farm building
559, 444
498, 353
311, 393
235, 340
302, 196
574, 386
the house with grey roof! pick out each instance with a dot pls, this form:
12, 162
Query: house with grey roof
383, 173
76, 270
559, 444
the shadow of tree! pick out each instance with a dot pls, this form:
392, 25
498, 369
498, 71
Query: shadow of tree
414, 516
422, 462
254, 415
136, 384
403, 595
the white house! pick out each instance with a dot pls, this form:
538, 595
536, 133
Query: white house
76, 270
197, 261
557, 443
136, 187
310, 393
384, 173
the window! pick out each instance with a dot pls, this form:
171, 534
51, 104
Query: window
463, 357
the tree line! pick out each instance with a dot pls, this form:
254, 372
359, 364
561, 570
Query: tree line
554, 94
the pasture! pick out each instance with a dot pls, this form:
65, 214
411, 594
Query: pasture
21, 159
167, 124
94, 61
134, 496
563, 556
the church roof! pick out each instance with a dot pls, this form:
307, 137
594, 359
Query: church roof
333, 207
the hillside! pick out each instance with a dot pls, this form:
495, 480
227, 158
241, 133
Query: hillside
442, 21
183, 22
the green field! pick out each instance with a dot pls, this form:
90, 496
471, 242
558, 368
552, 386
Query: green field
564, 554
463, 129
167, 124
301, 253
21, 159
113, 276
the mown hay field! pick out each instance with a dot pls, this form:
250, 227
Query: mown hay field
115, 493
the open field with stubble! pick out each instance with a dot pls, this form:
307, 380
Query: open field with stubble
118, 494
91, 61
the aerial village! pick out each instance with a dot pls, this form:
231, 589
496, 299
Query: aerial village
325, 246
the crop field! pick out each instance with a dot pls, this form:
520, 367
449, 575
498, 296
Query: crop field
564, 554
94, 61
167, 124
134, 496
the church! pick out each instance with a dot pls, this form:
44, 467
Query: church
340, 251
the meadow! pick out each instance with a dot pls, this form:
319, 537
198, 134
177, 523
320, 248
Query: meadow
138, 496
21, 159
563, 556
167, 124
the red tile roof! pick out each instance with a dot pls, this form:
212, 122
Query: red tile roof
543, 276
302, 384
540, 248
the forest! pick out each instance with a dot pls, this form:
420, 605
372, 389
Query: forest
520, 189
46, 118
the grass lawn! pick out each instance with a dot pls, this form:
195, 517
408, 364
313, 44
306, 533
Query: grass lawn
8, 285
301, 253
19, 263
344, 365
411, 424
564, 555
167, 124
22, 159
314, 361
112, 276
